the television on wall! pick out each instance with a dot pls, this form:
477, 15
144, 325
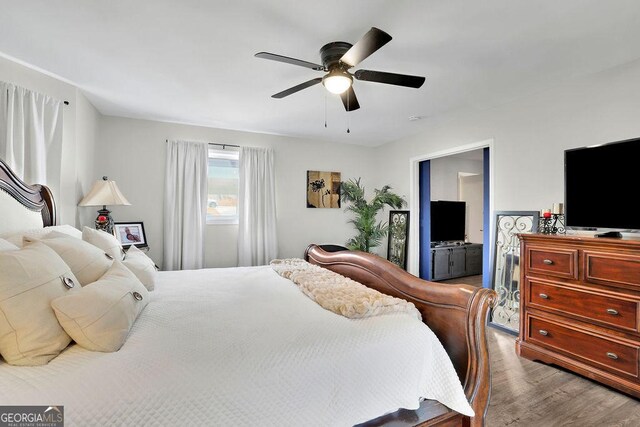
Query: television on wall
447, 221
601, 186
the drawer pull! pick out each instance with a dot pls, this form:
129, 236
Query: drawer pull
544, 296
547, 261
543, 332
612, 311
612, 356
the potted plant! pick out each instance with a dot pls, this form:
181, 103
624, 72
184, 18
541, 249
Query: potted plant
370, 233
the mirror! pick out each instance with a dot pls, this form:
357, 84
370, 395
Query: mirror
506, 266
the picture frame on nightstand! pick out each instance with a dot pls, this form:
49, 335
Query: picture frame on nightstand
130, 233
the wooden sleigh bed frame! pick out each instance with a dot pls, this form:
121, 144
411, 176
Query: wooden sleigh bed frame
457, 314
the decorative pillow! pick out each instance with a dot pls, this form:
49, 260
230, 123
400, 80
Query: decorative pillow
38, 233
103, 240
87, 262
7, 246
31, 278
100, 316
142, 266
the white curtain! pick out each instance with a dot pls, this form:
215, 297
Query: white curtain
31, 134
185, 205
257, 237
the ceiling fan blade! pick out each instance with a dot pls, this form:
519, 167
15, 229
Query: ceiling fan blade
373, 40
286, 59
349, 99
297, 88
389, 78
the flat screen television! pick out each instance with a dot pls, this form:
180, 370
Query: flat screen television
601, 186
447, 220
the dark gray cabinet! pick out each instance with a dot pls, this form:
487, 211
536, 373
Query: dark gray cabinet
448, 262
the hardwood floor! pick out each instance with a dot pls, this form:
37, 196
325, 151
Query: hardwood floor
526, 393
467, 280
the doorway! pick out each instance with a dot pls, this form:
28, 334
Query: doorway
460, 175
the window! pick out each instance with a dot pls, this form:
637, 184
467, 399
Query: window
222, 203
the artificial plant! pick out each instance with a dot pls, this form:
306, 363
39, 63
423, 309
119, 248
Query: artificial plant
370, 233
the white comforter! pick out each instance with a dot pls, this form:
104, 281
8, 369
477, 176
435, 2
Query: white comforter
243, 347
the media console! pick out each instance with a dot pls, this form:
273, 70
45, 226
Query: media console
580, 306
451, 260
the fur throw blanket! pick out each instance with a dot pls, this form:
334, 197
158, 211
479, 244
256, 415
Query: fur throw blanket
340, 294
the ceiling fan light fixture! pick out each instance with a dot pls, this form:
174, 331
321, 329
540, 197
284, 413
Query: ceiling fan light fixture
337, 81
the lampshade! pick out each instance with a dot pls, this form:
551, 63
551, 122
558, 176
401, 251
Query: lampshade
337, 81
104, 193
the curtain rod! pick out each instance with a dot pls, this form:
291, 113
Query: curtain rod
215, 143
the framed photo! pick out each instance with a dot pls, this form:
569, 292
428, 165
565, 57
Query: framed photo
506, 266
398, 238
130, 233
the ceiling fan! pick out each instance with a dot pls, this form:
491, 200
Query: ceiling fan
337, 58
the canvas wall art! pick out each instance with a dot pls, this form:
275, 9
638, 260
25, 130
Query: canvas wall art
323, 189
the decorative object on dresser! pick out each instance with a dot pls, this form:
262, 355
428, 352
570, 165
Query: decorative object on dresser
398, 238
323, 189
104, 193
552, 220
506, 266
581, 306
130, 233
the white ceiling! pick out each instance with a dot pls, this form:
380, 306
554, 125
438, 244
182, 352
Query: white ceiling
192, 61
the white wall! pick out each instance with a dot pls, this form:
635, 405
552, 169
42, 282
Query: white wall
132, 152
444, 175
529, 136
87, 122
78, 136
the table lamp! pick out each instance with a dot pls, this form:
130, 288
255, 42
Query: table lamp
104, 193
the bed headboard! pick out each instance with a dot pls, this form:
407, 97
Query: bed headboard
23, 206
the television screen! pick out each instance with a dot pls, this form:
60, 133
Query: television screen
447, 221
601, 186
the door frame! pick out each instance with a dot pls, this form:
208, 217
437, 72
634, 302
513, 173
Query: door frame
413, 260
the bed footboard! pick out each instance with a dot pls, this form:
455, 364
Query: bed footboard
457, 314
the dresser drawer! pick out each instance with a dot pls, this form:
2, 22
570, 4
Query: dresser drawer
604, 353
553, 261
605, 308
612, 269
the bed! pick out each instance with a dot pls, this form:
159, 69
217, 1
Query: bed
243, 346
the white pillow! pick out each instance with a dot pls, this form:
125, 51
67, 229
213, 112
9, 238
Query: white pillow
142, 266
103, 240
100, 316
7, 246
87, 262
31, 278
38, 233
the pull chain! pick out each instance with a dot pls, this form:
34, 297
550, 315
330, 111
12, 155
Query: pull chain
325, 109
348, 111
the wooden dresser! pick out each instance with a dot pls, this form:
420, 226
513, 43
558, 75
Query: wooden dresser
580, 306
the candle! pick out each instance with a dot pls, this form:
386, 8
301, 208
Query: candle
546, 213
